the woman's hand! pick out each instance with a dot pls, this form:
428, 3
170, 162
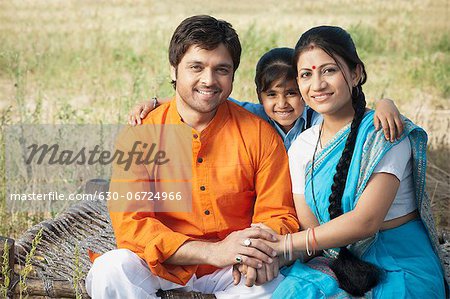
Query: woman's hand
277, 245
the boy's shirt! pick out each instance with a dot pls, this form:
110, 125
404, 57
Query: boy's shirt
297, 129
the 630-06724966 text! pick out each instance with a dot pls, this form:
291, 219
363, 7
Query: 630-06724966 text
57, 196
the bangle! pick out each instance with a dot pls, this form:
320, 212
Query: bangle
155, 102
307, 242
291, 247
284, 247
287, 247
315, 246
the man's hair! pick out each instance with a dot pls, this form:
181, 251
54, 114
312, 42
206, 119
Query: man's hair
207, 33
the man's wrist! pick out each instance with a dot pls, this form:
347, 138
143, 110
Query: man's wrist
210, 250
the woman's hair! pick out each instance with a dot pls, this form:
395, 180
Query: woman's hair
273, 66
354, 275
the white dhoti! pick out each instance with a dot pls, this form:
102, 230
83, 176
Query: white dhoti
121, 273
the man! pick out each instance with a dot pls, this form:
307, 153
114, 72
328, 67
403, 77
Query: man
239, 177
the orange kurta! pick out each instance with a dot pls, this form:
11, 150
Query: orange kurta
241, 178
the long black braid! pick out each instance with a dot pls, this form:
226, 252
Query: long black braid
354, 275
340, 178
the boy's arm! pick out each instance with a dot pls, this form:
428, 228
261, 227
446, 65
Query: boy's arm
256, 109
388, 116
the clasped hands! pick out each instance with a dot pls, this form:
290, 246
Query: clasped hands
252, 252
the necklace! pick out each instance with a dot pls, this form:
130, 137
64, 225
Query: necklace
312, 175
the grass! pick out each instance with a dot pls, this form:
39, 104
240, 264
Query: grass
77, 275
89, 62
27, 268
5, 272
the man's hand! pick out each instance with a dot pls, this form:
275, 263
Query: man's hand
232, 249
264, 274
249, 273
256, 276
238, 271
267, 273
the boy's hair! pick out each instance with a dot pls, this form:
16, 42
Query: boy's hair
273, 66
207, 33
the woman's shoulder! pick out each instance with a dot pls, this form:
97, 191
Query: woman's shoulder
306, 141
310, 135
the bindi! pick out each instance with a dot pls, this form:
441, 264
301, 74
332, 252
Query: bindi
313, 67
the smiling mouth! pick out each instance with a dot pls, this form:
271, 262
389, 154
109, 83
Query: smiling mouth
207, 92
283, 113
322, 96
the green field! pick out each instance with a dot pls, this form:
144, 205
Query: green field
89, 62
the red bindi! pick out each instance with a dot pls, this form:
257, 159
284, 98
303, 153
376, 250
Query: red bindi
313, 67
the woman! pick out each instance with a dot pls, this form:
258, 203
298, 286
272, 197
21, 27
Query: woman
355, 193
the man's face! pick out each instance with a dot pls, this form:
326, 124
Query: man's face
204, 78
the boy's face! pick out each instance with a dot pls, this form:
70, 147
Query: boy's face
204, 78
283, 103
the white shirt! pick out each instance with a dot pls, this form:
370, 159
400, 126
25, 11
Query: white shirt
397, 161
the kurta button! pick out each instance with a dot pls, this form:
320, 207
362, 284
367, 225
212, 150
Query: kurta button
195, 136
202, 188
200, 160
207, 212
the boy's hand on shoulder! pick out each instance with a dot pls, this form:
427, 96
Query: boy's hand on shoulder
388, 117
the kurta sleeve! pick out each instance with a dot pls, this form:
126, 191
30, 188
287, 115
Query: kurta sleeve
134, 223
274, 204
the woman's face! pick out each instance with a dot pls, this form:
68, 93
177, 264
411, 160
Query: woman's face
324, 86
283, 103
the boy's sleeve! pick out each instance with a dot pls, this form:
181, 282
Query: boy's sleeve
256, 109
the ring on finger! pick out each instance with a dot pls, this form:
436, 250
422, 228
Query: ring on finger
247, 242
238, 259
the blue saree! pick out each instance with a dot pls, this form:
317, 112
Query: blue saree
408, 254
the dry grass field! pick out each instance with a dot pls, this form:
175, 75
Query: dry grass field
88, 62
